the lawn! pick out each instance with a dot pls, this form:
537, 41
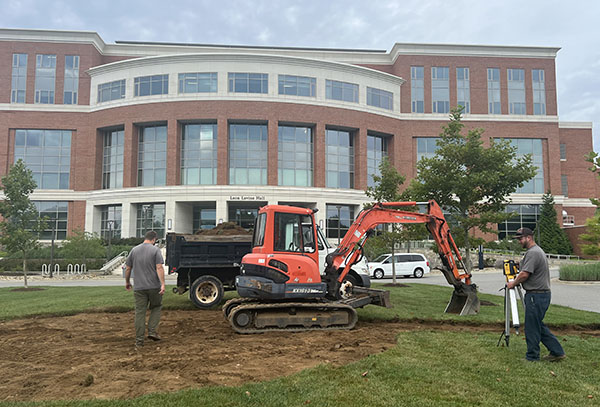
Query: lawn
428, 367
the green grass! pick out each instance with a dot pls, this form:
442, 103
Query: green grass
426, 368
580, 272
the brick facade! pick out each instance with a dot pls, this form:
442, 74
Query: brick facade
89, 120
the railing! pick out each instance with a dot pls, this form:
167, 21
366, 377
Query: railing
548, 255
114, 262
569, 220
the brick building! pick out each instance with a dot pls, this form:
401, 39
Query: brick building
130, 136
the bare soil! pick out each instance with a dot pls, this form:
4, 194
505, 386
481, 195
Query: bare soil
91, 356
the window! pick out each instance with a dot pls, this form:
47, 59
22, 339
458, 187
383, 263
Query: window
347, 92
248, 154
376, 150
150, 216
339, 219
525, 216
463, 89
71, 79
380, 98
295, 166
417, 89
533, 147
19, 78
248, 82
244, 216
339, 159
45, 76
204, 217
152, 156
297, 85
198, 82
289, 233
563, 151
516, 91
47, 153
426, 147
151, 85
493, 82
564, 185
199, 154
539, 92
112, 159
440, 89
56, 214
259, 231
111, 91
110, 222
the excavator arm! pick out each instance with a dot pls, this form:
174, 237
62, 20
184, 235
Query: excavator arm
464, 300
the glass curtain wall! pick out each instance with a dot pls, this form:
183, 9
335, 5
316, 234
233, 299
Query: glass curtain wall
248, 154
199, 154
295, 165
339, 159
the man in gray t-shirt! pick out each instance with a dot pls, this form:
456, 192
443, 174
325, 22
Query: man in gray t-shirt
145, 262
535, 279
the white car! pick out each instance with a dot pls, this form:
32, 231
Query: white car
407, 264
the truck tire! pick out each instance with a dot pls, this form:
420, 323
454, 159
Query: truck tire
206, 292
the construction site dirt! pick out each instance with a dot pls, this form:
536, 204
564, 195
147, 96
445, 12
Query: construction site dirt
91, 356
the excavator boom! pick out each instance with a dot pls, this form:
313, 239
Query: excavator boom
464, 300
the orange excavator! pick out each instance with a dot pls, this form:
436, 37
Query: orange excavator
280, 286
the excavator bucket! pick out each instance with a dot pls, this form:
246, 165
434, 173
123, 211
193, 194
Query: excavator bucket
464, 300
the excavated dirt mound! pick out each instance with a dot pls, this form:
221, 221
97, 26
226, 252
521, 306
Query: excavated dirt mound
225, 229
91, 356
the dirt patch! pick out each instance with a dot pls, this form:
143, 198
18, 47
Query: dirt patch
28, 289
91, 356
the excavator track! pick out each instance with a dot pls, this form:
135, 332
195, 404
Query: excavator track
235, 302
292, 317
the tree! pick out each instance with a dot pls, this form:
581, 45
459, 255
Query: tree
551, 237
81, 246
592, 224
386, 189
470, 181
21, 223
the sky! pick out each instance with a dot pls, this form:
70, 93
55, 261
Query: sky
574, 26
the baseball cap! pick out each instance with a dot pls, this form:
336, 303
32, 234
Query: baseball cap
524, 232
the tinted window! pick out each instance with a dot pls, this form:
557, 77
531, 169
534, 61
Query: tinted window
259, 230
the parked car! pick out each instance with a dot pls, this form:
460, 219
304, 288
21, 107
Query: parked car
407, 264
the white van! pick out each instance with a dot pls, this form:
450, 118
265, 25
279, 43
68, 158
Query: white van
407, 264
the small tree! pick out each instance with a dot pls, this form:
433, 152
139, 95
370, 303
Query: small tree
592, 237
21, 223
551, 237
81, 246
386, 189
470, 181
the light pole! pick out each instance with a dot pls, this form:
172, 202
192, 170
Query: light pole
339, 222
52, 247
109, 225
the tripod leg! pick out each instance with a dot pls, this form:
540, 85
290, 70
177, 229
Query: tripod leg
507, 316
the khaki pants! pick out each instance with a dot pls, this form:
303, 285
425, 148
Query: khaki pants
145, 299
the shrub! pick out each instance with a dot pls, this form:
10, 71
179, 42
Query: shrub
580, 272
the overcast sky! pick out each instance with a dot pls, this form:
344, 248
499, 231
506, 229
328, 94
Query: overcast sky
572, 25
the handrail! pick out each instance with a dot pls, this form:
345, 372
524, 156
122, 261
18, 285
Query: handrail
115, 260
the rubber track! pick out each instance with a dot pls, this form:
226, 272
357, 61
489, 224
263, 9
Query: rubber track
239, 301
278, 306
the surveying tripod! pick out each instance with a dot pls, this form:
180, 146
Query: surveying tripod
510, 301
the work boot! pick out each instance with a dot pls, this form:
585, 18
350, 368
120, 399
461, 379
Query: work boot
554, 358
154, 336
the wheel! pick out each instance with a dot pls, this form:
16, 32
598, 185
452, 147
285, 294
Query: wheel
242, 318
378, 274
206, 291
418, 273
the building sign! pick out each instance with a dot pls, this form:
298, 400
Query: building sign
247, 198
